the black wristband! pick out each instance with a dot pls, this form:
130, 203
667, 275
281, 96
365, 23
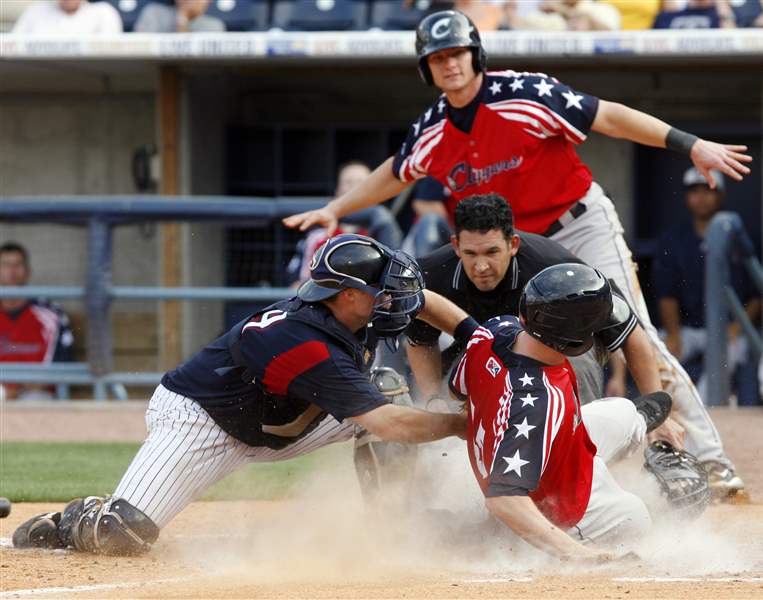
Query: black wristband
680, 141
465, 330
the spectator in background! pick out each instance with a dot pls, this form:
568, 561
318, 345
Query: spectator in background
30, 331
487, 15
376, 222
679, 281
185, 16
747, 13
697, 14
431, 228
640, 14
566, 15
69, 17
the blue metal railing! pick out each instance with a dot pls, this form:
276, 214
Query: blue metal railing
726, 240
100, 215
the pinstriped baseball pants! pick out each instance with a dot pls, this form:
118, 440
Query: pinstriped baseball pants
596, 237
186, 452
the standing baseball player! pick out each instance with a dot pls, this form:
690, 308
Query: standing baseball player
484, 271
541, 459
514, 133
288, 380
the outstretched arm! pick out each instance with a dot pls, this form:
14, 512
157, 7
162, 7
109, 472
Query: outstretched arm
520, 514
380, 185
642, 365
619, 121
409, 425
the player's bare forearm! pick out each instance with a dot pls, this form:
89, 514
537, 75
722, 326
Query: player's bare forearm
426, 364
408, 425
520, 514
641, 361
620, 121
380, 185
441, 313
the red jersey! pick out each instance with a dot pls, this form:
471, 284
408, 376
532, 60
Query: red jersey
516, 138
525, 434
38, 332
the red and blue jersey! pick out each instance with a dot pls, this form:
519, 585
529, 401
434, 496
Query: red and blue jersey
525, 433
516, 138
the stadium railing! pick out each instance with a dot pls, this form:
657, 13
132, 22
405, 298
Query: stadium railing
100, 215
727, 241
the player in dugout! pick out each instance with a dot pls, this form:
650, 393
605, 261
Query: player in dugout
283, 382
514, 133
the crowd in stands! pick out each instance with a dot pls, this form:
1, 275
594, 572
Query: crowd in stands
163, 16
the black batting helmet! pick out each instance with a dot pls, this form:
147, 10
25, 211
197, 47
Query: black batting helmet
447, 29
564, 305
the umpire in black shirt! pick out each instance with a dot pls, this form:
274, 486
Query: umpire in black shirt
484, 271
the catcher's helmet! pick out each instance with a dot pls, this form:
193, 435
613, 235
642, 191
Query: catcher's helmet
564, 305
356, 261
447, 29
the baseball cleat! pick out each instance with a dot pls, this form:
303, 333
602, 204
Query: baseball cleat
654, 407
39, 532
724, 482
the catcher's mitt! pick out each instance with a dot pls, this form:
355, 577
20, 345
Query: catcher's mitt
682, 479
385, 468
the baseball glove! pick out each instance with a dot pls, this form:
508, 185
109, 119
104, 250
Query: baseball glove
385, 469
681, 477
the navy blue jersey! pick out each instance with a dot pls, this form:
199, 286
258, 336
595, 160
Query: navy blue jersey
273, 377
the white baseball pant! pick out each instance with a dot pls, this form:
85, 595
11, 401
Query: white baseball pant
596, 237
186, 452
612, 513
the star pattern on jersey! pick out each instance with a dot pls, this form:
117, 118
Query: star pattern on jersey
529, 399
495, 88
544, 88
416, 128
526, 380
524, 429
440, 105
517, 84
427, 115
515, 463
573, 99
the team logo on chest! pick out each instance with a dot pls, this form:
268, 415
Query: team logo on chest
463, 175
492, 366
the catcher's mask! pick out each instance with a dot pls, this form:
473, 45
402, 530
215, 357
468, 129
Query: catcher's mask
447, 29
565, 305
392, 277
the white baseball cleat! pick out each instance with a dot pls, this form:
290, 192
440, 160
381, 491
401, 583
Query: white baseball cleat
724, 482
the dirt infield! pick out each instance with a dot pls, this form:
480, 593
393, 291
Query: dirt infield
322, 545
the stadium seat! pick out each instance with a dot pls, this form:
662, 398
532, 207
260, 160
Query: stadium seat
320, 15
241, 15
394, 15
129, 10
746, 11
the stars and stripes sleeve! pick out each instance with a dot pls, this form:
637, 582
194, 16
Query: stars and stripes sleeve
413, 159
542, 105
535, 416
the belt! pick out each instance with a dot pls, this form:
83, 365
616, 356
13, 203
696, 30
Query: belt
568, 217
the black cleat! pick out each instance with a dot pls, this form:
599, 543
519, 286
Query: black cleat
655, 408
39, 532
